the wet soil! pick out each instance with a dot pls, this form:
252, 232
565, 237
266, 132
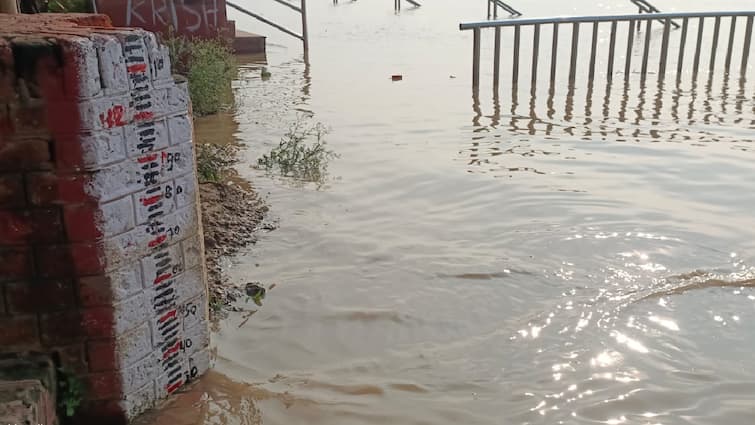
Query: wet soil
231, 215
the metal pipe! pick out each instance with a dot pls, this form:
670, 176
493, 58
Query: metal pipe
535, 49
515, 70
497, 58
304, 30
664, 50
591, 19
488, 9
729, 51
696, 64
574, 50
714, 46
289, 5
264, 20
476, 58
646, 51
554, 52
682, 43
630, 41
611, 51
746, 48
413, 3
593, 51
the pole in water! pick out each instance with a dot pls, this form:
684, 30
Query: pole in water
304, 31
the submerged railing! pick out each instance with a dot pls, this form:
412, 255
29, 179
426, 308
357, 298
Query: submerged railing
667, 50
302, 9
397, 4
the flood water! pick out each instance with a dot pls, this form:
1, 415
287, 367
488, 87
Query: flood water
466, 263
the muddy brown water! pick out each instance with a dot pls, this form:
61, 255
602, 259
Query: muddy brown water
462, 266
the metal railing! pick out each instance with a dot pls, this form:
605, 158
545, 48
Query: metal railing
643, 6
628, 25
302, 9
397, 4
493, 6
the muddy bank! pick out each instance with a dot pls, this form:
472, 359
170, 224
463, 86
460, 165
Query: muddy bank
230, 217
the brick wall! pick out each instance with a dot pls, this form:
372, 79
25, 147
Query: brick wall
101, 259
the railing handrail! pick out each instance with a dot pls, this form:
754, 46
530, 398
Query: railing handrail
599, 18
304, 37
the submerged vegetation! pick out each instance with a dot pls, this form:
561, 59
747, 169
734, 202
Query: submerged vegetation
214, 162
209, 65
302, 154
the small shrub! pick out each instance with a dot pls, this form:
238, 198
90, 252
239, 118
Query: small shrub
209, 65
213, 161
294, 158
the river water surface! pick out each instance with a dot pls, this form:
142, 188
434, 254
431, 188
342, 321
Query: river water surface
465, 263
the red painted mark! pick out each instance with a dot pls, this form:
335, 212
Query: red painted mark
137, 68
174, 387
113, 117
174, 349
148, 158
151, 200
169, 315
158, 241
162, 278
142, 116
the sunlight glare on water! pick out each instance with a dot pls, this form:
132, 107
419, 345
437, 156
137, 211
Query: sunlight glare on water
463, 265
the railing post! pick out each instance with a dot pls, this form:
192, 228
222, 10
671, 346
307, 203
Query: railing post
746, 48
488, 9
476, 58
304, 31
497, 58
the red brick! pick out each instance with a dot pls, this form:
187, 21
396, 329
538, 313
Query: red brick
60, 328
31, 226
19, 155
2, 301
15, 263
49, 188
18, 332
101, 355
100, 412
12, 193
81, 222
73, 358
74, 260
95, 291
40, 296
103, 385
98, 322
29, 120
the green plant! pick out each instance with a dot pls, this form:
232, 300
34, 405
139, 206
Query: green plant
295, 158
209, 65
70, 392
213, 161
69, 6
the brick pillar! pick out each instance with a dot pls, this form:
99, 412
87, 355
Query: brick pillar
101, 259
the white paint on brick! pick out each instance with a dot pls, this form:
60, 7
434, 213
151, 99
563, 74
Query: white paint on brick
150, 269
180, 129
194, 311
122, 283
185, 190
139, 158
117, 217
140, 374
142, 138
196, 338
192, 250
127, 177
157, 200
129, 314
134, 345
112, 64
86, 68
139, 400
102, 148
